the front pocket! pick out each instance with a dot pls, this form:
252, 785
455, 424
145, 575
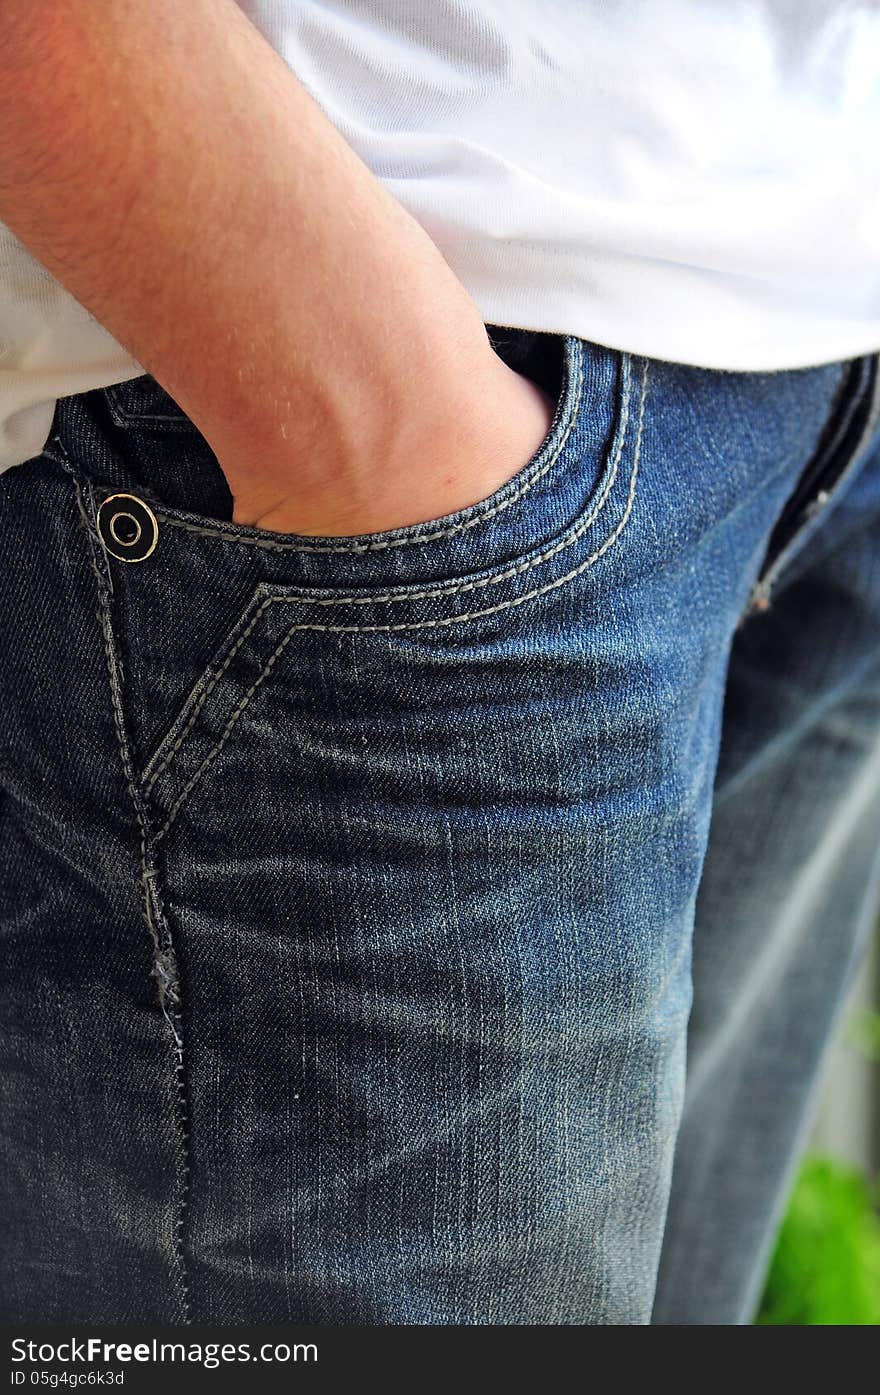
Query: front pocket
266, 636
213, 612
568, 481
469, 538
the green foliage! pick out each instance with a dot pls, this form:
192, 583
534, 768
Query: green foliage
863, 1034
825, 1270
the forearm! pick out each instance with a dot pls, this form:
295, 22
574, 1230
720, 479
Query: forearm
164, 163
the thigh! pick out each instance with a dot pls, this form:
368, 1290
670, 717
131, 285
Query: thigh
788, 898
351, 881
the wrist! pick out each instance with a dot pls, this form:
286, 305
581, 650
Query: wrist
368, 395
454, 440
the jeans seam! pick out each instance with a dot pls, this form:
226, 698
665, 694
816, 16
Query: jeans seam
609, 542
411, 539
164, 957
164, 420
202, 699
767, 582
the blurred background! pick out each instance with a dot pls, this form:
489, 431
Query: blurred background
826, 1266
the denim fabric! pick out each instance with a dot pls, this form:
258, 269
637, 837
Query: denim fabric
355, 891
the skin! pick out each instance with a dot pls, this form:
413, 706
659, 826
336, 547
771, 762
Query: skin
164, 163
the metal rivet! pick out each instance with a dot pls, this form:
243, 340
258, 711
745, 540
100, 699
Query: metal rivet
134, 534
128, 527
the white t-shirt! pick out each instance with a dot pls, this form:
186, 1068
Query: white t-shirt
696, 180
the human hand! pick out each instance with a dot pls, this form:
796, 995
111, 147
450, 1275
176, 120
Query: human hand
457, 441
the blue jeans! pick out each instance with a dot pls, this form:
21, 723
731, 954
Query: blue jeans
442, 926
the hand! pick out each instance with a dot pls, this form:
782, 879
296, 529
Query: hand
454, 445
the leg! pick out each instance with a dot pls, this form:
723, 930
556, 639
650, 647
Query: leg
788, 898
410, 829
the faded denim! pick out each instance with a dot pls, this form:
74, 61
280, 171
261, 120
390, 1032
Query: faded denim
354, 893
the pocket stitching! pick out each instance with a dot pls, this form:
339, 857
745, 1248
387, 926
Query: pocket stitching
204, 695
456, 588
412, 625
163, 420
409, 595
411, 538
